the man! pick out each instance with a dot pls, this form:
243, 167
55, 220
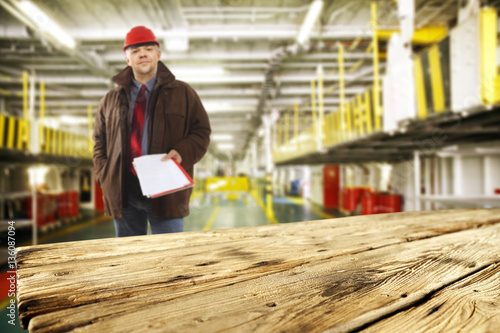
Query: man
148, 112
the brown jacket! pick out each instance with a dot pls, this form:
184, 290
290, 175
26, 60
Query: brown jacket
178, 121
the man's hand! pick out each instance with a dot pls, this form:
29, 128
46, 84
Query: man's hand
172, 154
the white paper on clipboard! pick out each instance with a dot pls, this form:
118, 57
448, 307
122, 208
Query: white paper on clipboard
158, 177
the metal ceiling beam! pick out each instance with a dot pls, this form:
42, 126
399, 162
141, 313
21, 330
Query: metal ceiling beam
93, 62
204, 93
213, 80
231, 31
245, 55
231, 9
173, 13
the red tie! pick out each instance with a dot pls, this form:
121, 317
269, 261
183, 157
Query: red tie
137, 125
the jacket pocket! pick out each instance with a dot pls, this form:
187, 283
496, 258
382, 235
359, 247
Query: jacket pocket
175, 125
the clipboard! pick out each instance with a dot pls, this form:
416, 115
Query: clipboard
158, 178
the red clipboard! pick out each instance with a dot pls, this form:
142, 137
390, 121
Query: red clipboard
158, 178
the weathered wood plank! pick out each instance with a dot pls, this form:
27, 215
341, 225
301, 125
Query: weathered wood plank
198, 264
422, 224
470, 305
341, 276
338, 294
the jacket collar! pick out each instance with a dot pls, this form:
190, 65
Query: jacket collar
164, 76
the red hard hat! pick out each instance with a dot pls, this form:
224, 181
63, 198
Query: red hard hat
139, 35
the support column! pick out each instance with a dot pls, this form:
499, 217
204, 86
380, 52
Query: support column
269, 168
428, 181
321, 122
416, 173
457, 176
376, 76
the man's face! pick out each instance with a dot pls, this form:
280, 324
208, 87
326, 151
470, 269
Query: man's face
143, 59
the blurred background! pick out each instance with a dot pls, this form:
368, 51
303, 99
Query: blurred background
319, 109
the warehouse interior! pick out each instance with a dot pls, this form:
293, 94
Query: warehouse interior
319, 108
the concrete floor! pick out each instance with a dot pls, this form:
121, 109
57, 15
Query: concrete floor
215, 211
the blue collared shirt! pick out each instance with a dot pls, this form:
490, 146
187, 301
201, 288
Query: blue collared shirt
135, 88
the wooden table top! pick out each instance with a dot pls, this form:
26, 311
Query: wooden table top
433, 271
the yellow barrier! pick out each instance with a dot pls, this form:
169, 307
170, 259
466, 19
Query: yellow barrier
2, 130
227, 184
490, 80
431, 70
423, 35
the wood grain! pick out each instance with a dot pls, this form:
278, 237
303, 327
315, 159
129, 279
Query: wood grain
338, 275
469, 305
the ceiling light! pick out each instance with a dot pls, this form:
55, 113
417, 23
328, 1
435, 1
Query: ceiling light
196, 71
71, 120
46, 24
221, 137
217, 106
177, 40
52, 122
222, 146
221, 107
307, 25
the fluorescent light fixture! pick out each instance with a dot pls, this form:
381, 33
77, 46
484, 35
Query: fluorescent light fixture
217, 106
71, 120
222, 146
221, 107
196, 71
46, 24
177, 40
221, 137
52, 122
307, 25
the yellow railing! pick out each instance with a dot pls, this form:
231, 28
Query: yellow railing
354, 120
14, 135
64, 143
15, 131
362, 115
359, 116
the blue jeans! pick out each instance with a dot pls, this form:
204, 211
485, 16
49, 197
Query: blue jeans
134, 221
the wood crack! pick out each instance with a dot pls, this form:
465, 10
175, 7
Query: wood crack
413, 303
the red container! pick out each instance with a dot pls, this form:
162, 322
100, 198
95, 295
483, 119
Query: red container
349, 200
379, 209
73, 208
50, 207
357, 191
381, 203
62, 205
393, 203
388, 203
331, 186
368, 204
